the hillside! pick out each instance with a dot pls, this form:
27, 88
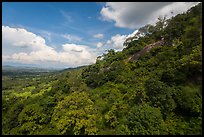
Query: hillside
152, 87
144, 50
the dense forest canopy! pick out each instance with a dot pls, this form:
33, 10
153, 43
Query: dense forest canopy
159, 93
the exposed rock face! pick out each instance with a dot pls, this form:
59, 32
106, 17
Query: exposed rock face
145, 49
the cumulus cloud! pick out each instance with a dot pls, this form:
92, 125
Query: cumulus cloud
19, 39
99, 36
22, 46
116, 42
132, 34
79, 53
134, 15
71, 37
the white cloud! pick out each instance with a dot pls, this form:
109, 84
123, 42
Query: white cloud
22, 46
116, 42
71, 37
140, 14
5, 57
21, 40
132, 34
99, 36
99, 44
73, 47
79, 53
134, 15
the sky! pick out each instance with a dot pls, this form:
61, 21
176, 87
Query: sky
71, 34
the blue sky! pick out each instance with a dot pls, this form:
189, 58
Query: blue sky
70, 34
81, 19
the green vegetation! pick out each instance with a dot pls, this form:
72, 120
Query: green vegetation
158, 94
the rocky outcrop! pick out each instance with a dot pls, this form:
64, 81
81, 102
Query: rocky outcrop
144, 50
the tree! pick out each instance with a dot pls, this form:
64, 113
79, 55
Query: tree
75, 115
189, 100
160, 95
31, 118
145, 120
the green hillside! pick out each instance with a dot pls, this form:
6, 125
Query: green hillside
152, 87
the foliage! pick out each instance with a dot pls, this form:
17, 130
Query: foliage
75, 115
145, 120
158, 94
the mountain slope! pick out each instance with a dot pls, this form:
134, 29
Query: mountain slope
158, 92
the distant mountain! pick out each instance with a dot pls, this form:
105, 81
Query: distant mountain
26, 68
8, 70
42, 66
74, 68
